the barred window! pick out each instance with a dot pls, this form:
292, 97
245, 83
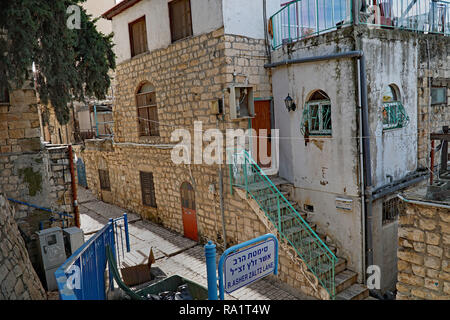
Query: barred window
317, 115
148, 189
147, 110
394, 114
104, 179
390, 210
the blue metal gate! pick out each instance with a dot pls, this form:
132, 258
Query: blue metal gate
81, 172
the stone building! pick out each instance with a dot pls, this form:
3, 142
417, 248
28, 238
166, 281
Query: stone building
180, 61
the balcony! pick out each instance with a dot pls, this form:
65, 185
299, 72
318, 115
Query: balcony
302, 19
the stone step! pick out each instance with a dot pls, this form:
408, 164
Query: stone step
264, 185
344, 280
282, 205
370, 298
354, 292
271, 196
339, 266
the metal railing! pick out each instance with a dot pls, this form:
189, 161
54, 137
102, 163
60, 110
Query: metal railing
416, 15
307, 18
82, 276
246, 174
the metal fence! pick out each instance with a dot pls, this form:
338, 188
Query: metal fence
83, 275
308, 18
428, 16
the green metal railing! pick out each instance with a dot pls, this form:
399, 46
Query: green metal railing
306, 18
414, 15
246, 174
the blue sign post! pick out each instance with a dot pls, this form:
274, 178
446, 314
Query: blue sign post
238, 268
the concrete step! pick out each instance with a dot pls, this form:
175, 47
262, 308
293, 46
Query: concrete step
354, 292
370, 298
344, 280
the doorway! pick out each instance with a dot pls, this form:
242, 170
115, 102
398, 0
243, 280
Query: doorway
262, 121
188, 211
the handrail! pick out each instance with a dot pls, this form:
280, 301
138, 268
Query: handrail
281, 200
275, 189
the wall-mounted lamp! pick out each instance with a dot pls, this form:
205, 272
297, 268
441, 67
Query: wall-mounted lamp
290, 104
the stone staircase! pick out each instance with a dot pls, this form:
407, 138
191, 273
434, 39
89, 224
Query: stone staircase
346, 284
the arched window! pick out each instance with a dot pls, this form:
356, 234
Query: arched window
394, 114
147, 110
4, 95
317, 115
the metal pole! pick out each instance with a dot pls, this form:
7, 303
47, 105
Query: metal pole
74, 189
432, 162
96, 121
127, 236
210, 254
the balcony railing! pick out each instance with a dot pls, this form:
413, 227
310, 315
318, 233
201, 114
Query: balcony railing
307, 18
428, 16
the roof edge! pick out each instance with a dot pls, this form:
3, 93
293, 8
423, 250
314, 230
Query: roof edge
119, 8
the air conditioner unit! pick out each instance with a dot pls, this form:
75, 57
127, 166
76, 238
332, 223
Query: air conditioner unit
241, 102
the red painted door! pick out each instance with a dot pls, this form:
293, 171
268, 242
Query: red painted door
262, 121
188, 211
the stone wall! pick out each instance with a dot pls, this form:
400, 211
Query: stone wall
434, 70
424, 253
18, 280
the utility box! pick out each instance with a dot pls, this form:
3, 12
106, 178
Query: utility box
52, 254
241, 102
73, 239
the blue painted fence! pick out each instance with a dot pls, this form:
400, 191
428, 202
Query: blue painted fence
83, 276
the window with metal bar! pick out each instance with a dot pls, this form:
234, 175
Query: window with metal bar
138, 36
180, 19
148, 189
104, 180
390, 210
317, 115
394, 114
147, 111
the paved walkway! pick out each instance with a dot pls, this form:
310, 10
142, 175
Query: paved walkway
174, 253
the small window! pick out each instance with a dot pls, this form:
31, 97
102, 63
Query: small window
394, 114
138, 36
317, 115
148, 189
4, 95
390, 210
104, 180
147, 111
180, 19
438, 95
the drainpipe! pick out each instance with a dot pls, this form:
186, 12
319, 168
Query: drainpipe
367, 168
74, 189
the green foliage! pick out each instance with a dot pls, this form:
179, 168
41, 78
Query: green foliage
71, 64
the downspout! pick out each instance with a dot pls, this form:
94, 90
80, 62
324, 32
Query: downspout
367, 167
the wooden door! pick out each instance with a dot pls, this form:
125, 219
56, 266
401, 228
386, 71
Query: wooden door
261, 121
188, 211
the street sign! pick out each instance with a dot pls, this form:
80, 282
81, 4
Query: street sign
248, 265
242, 264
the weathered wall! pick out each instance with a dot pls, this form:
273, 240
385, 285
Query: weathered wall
326, 167
30, 172
18, 280
423, 253
434, 70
